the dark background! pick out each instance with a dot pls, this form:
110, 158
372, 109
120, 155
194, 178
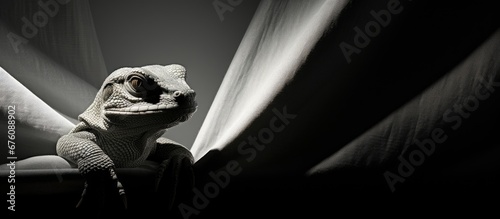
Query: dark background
191, 33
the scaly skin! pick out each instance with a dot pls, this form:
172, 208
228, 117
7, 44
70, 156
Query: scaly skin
122, 128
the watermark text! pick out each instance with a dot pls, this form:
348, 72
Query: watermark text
39, 20
11, 146
221, 7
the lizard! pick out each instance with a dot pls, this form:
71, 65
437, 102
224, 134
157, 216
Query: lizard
123, 126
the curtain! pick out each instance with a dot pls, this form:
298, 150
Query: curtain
374, 100
277, 42
51, 68
368, 106
310, 77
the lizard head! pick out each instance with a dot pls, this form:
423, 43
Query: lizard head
153, 96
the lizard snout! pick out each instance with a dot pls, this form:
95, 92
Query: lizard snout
185, 98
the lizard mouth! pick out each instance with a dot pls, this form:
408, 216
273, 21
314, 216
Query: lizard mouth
148, 109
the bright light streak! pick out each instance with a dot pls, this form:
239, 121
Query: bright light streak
278, 40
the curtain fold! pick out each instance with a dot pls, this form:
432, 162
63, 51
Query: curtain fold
52, 67
364, 61
277, 42
37, 125
464, 97
51, 47
344, 133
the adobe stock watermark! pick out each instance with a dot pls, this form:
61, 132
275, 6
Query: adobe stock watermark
39, 20
248, 148
372, 29
426, 147
223, 6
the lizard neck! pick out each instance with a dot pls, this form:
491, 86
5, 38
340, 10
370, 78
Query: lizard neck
129, 151
126, 149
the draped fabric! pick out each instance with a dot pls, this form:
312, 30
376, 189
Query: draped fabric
337, 69
391, 100
441, 110
51, 66
268, 57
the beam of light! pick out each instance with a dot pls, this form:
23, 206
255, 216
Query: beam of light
278, 40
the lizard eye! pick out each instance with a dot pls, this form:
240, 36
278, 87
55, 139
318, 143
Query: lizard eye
135, 84
140, 86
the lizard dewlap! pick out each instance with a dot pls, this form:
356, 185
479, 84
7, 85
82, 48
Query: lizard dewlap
123, 126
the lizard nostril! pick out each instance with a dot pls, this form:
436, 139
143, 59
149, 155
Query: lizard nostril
185, 98
177, 94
